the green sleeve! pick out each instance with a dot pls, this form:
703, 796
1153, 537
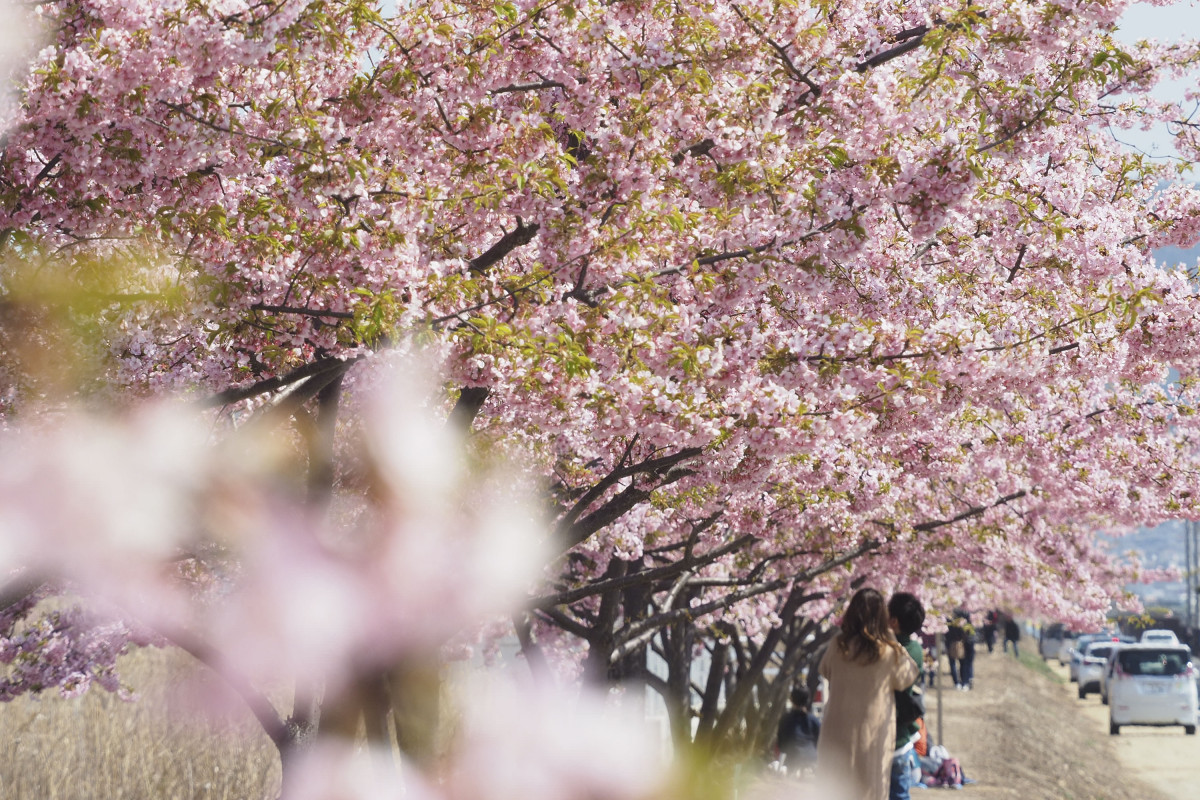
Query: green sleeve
917, 653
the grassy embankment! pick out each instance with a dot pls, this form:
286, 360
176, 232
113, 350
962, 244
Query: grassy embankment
161, 747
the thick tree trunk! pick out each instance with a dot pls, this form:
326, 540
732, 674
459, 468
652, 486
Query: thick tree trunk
597, 666
677, 645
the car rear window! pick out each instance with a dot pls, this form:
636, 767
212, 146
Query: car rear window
1100, 652
1153, 662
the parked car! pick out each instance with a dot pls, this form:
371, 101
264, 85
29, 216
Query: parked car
1151, 684
1051, 638
1066, 648
1108, 669
1104, 678
1092, 663
1122, 640
1159, 636
1081, 644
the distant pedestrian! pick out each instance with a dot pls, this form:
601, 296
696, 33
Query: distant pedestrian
968, 663
865, 666
989, 629
1012, 633
956, 652
799, 732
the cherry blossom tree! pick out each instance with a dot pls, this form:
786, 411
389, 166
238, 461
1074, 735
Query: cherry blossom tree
770, 297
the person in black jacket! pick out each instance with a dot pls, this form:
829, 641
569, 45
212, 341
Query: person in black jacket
1012, 633
798, 733
989, 629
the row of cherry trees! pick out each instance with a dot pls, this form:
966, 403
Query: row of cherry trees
764, 299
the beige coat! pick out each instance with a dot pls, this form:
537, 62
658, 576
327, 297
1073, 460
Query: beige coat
858, 729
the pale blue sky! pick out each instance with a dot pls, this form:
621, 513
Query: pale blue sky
1143, 21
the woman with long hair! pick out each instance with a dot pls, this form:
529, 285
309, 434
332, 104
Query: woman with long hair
864, 665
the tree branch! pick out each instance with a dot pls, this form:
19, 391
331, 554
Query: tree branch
573, 531
910, 40
467, 408
237, 394
260, 706
534, 656
528, 87
1020, 255
973, 511
646, 576
181, 110
571, 626
291, 401
19, 588
521, 235
308, 312
781, 51
635, 635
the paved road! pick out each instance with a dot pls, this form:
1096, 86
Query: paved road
1166, 758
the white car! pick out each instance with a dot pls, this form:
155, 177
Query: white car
1066, 649
1051, 638
1104, 678
1151, 684
1121, 641
1075, 660
1092, 663
1159, 636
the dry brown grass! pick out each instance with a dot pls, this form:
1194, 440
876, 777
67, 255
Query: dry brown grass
98, 747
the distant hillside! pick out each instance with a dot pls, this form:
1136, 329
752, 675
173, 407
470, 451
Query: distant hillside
1161, 547
1157, 548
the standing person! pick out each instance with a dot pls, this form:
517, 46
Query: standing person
956, 651
967, 668
966, 665
989, 629
865, 666
1012, 633
906, 615
799, 732
929, 641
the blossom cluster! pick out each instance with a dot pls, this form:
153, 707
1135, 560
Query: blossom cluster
760, 296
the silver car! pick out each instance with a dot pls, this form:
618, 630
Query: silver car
1051, 638
1066, 648
1081, 644
1092, 663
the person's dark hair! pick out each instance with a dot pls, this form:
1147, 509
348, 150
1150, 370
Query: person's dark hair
800, 698
906, 609
865, 628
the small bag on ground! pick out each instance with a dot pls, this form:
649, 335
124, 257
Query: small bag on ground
949, 773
